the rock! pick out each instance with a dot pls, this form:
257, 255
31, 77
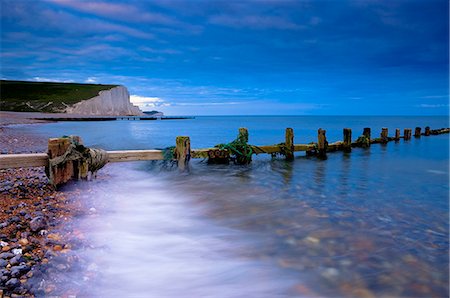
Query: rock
115, 101
38, 223
312, 240
17, 251
330, 273
23, 242
61, 267
3, 263
6, 255
12, 283
18, 271
16, 260
14, 219
5, 272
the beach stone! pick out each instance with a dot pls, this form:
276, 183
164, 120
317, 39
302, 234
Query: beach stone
6, 255
12, 283
23, 241
330, 273
17, 271
3, 263
38, 223
17, 251
16, 260
14, 219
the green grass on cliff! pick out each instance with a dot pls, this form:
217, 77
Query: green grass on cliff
21, 96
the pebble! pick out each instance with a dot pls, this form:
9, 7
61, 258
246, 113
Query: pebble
6, 255
3, 263
38, 223
17, 251
330, 273
12, 283
312, 239
16, 260
23, 242
18, 271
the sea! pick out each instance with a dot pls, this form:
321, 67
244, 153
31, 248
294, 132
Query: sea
370, 223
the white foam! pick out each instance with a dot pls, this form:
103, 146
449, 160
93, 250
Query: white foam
158, 244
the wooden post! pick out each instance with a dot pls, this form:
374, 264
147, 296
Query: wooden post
183, 152
397, 134
62, 172
427, 131
417, 132
289, 144
367, 133
322, 144
243, 134
347, 145
243, 138
384, 135
407, 134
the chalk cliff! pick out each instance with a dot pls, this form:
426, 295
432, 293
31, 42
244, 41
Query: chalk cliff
112, 102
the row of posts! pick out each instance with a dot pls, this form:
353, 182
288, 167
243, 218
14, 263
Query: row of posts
183, 146
384, 138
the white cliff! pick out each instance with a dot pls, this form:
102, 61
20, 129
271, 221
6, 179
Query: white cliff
112, 102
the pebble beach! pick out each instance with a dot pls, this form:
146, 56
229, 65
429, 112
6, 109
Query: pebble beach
37, 235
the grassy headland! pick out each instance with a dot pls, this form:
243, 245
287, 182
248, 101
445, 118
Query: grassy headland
49, 97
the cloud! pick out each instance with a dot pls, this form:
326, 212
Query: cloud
91, 80
44, 79
115, 11
254, 22
48, 19
143, 101
225, 103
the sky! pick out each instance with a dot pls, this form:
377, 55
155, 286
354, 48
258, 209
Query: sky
253, 57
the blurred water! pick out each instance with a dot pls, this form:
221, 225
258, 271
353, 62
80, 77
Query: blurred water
371, 223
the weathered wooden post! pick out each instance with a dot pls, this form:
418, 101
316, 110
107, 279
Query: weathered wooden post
384, 135
289, 144
246, 152
417, 132
397, 134
322, 144
366, 132
60, 170
183, 152
407, 134
347, 145
427, 131
243, 134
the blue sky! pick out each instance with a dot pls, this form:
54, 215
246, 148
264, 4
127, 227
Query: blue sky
195, 57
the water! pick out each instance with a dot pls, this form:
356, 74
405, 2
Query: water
372, 223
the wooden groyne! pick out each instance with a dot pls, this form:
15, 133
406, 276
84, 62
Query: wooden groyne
68, 159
